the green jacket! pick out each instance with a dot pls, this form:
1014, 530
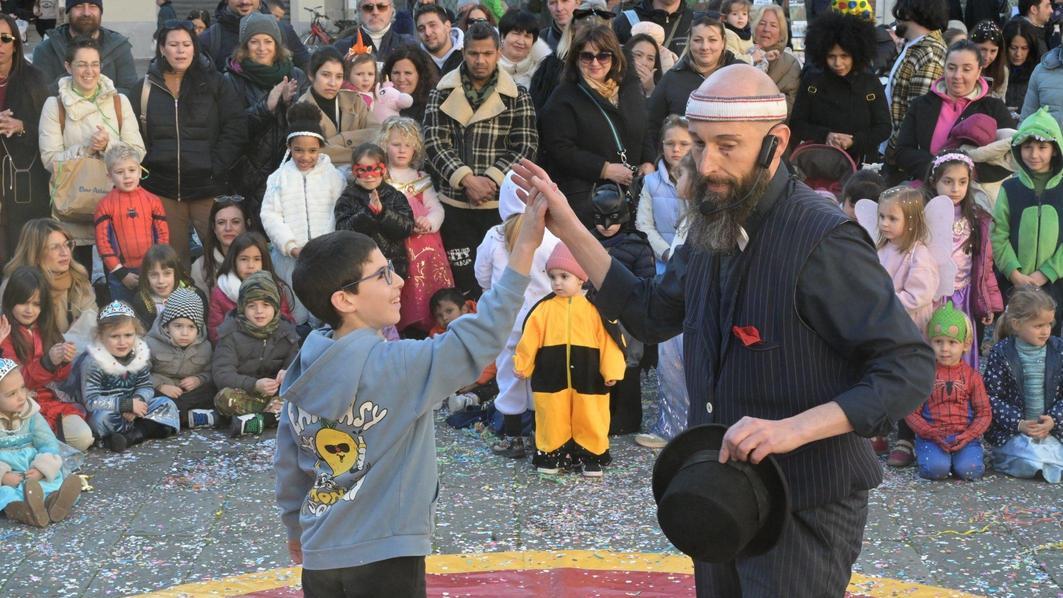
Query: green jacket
1026, 225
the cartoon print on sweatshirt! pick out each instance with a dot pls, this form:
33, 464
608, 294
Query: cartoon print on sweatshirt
339, 447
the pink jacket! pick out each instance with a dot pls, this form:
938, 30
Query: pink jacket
985, 292
915, 280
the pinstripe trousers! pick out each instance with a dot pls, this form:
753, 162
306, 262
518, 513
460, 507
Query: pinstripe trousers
814, 557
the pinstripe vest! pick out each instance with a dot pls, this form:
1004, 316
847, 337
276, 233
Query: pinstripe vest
793, 369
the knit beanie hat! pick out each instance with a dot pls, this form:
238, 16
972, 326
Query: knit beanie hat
258, 287
949, 322
72, 3
183, 303
256, 23
561, 259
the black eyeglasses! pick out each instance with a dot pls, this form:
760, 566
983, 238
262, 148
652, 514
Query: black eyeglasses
475, 21
583, 13
601, 57
387, 273
7, 38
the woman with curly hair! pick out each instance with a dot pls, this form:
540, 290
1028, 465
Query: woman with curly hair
407, 67
840, 102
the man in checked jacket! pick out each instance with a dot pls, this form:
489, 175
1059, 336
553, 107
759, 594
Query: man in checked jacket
920, 63
477, 124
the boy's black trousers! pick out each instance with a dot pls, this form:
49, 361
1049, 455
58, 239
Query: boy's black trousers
400, 577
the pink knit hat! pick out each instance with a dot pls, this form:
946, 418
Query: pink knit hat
561, 259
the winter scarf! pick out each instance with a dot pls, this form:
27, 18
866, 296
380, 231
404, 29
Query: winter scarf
259, 287
263, 76
477, 97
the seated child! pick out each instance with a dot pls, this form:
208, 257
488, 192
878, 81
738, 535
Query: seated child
129, 220
162, 275
563, 335
116, 383
448, 305
374, 208
255, 345
247, 254
33, 489
949, 425
181, 358
34, 342
630, 247
1026, 431
356, 455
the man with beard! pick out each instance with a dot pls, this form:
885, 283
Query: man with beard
116, 53
376, 17
793, 335
477, 125
438, 38
223, 36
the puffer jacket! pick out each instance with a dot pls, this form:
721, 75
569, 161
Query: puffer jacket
72, 139
299, 206
170, 363
1046, 86
267, 134
241, 359
388, 228
194, 138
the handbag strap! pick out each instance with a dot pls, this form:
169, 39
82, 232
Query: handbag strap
620, 151
62, 113
145, 90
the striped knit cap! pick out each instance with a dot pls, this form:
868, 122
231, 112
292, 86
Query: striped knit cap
183, 303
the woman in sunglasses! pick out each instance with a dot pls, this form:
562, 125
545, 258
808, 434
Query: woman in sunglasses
196, 127
23, 179
477, 13
589, 13
44, 244
593, 127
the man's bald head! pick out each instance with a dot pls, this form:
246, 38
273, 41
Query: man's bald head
738, 81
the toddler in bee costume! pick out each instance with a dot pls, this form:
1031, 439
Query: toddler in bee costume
572, 360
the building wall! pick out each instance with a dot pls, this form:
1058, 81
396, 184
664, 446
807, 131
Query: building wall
136, 20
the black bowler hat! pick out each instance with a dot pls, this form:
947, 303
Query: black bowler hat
715, 512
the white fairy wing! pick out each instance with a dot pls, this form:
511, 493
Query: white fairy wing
867, 216
940, 216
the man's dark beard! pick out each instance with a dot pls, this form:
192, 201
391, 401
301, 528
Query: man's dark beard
85, 25
719, 232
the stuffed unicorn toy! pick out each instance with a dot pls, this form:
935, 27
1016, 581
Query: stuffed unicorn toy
387, 102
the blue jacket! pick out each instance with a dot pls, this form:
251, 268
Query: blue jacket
1003, 382
356, 455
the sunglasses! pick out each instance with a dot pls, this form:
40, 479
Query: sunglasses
229, 199
475, 21
7, 38
583, 13
601, 57
387, 273
365, 172
368, 7
173, 24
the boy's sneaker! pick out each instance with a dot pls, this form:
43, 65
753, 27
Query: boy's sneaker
513, 447
246, 424
549, 463
456, 402
902, 455
116, 442
202, 418
592, 469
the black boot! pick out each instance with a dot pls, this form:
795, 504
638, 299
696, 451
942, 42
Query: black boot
133, 436
117, 442
152, 429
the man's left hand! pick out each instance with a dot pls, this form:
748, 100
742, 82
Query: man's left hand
753, 439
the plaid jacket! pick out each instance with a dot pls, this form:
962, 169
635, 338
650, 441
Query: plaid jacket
923, 64
487, 142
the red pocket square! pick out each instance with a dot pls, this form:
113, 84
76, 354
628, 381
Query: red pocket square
749, 335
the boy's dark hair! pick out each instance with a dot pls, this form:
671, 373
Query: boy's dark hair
481, 31
932, 14
1025, 6
863, 184
451, 294
520, 21
435, 9
368, 149
324, 265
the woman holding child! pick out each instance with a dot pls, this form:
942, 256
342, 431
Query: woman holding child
193, 119
344, 115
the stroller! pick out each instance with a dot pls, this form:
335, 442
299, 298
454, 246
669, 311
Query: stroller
823, 167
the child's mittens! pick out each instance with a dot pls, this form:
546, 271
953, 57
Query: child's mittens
48, 464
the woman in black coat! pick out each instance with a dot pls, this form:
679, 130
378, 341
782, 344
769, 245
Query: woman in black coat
194, 131
918, 140
839, 101
23, 179
706, 53
266, 83
595, 98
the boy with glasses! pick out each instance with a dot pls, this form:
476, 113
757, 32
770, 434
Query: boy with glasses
355, 459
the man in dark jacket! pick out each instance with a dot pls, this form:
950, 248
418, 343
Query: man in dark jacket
793, 335
116, 53
438, 38
673, 15
166, 12
560, 18
223, 35
477, 124
376, 18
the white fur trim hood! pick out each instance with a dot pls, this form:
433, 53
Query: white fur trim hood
110, 365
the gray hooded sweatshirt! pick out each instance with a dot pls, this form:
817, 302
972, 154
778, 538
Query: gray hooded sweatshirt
356, 456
